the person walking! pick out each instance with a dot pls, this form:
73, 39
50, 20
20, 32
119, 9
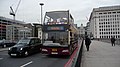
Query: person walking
113, 41
87, 42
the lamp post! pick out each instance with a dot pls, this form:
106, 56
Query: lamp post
41, 11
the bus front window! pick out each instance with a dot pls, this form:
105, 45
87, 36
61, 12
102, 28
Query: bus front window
58, 37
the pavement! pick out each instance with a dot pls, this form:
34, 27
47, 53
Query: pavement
101, 54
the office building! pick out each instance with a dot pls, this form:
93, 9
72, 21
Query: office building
6, 21
16, 32
105, 22
36, 29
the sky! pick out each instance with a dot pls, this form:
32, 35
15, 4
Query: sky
29, 10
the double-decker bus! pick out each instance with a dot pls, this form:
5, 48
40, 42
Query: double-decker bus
60, 34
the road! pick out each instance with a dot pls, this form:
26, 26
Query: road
36, 60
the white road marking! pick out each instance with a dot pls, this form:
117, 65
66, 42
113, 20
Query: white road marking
1, 58
27, 64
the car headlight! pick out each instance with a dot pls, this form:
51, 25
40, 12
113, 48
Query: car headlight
9, 48
21, 48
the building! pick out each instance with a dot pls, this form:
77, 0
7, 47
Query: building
16, 32
36, 29
24, 32
17, 29
87, 29
12, 32
81, 31
6, 21
105, 22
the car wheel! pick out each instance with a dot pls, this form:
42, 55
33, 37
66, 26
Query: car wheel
4, 46
26, 53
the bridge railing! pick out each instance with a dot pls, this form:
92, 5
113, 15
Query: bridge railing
109, 41
78, 57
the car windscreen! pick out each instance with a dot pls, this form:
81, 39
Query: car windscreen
23, 42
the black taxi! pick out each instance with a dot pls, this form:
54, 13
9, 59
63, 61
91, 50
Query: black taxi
25, 47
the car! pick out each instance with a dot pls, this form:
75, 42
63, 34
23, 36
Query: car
6, 43
25, 47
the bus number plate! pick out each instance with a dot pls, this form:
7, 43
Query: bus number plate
54, 49
54, 53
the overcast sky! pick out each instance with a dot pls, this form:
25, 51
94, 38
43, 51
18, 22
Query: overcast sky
29, 10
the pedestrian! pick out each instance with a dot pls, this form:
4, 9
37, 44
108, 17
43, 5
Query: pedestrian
113, 41
87, 42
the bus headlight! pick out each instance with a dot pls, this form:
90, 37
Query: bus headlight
65, 51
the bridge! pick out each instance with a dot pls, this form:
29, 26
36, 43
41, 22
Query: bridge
101, 54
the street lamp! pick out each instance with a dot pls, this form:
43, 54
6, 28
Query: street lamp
41, 11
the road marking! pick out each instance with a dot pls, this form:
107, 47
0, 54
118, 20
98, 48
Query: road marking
27, 64
1, 58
